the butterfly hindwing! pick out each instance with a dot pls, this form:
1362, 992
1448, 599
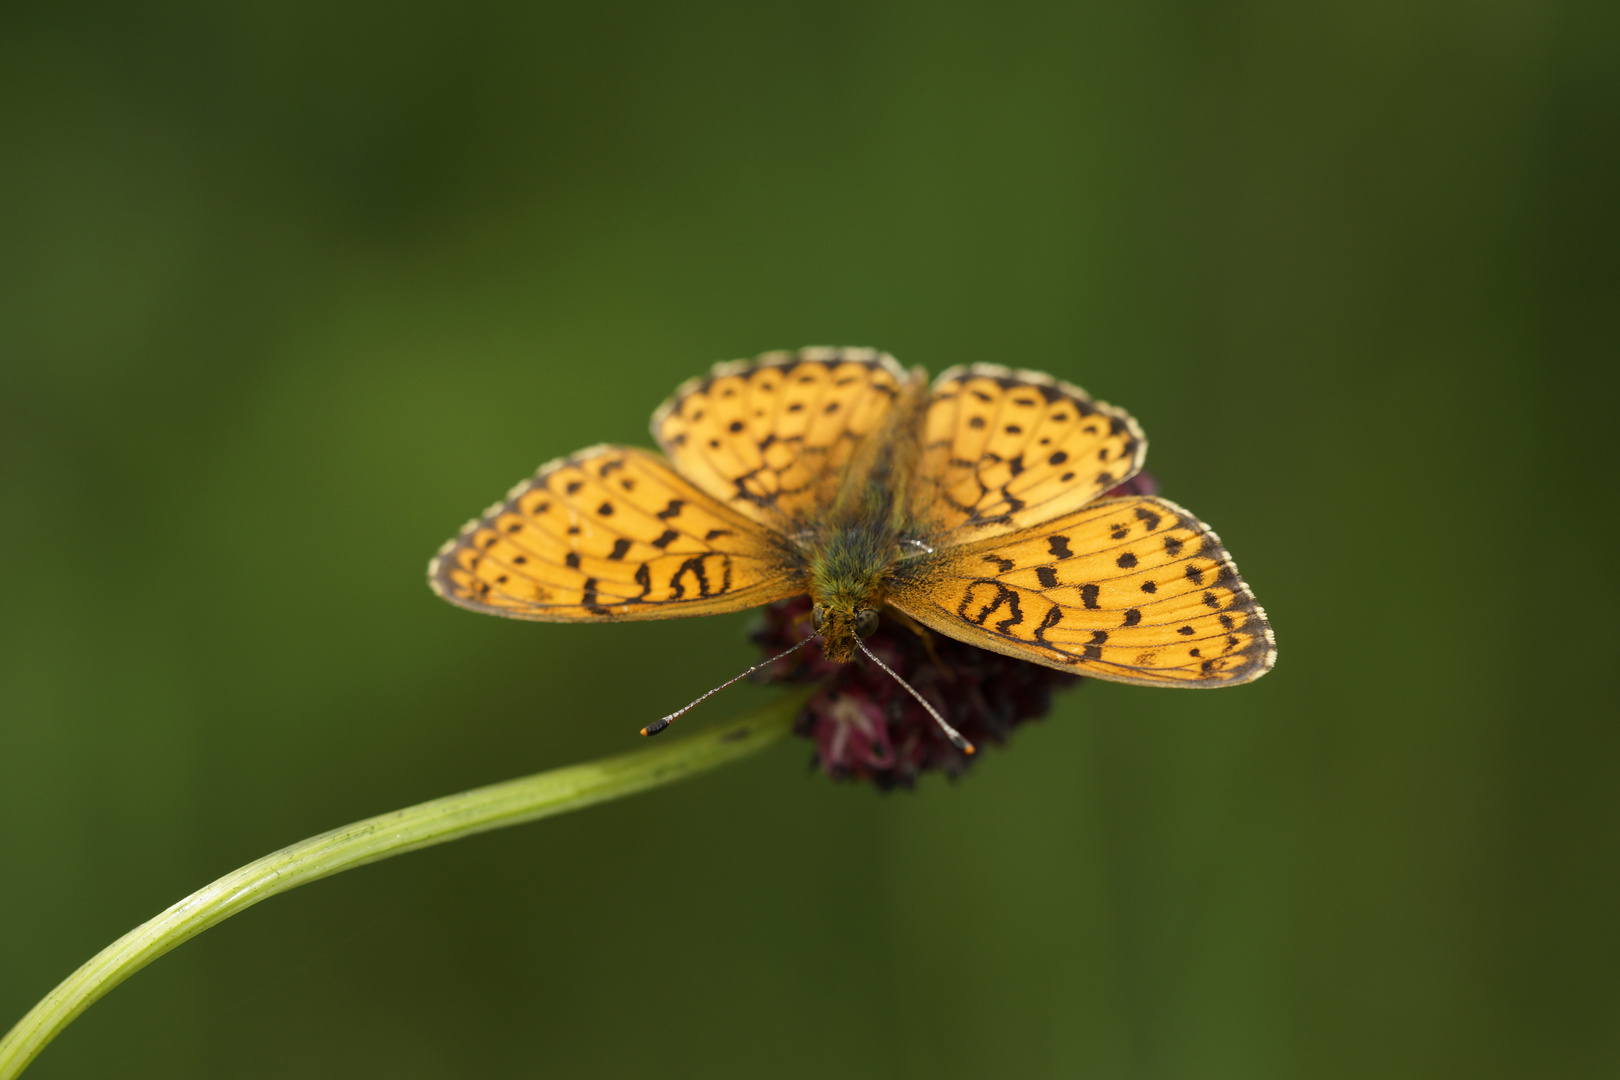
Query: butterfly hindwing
1006, 450
1128, 589
769, 437
611, 533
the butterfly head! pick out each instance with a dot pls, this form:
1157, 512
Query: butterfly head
841, 626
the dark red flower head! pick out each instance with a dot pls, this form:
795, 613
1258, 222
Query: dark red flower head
865, 725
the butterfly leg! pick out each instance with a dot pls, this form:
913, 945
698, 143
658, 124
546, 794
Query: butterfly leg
927, 639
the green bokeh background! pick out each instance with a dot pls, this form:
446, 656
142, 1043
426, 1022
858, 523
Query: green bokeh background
289, 290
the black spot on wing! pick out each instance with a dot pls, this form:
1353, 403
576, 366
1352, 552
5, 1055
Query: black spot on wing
1053, 616
1059, 547
1000, 597
1088, 596
700, 577
1047, 577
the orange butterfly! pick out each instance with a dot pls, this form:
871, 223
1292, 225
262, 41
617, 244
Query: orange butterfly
970, 505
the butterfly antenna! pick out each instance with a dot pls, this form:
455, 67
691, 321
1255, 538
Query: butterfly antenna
659, 725
956, 737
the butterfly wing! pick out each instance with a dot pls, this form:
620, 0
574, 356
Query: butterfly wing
770, 437
1006, 450
1131, 590
609, 534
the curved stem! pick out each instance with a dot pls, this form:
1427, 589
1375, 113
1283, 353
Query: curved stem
423, 825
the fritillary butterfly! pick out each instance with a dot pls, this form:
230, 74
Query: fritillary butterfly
971, 505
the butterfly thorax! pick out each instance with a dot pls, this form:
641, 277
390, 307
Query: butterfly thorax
861, 540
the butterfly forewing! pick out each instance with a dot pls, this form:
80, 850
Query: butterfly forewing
770, 437
611, 533
1128, 589
1006, 450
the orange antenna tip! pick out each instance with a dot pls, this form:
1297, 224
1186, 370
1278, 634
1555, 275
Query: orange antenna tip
956, 737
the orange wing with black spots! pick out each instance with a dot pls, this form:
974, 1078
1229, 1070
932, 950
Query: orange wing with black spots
610, 534
770, 437
1131, 590
1007, 450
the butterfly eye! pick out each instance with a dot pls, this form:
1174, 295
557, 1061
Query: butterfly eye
866, 621
818, 615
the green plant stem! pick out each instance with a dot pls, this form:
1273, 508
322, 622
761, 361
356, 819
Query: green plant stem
382, 837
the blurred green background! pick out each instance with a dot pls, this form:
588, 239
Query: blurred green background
290, 290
